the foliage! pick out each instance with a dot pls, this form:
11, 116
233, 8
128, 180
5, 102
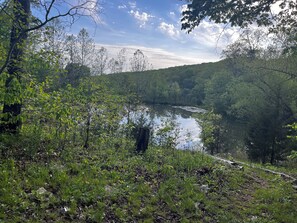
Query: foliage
212, 131
176, 86
242, 14
166, 135
293, 155
74, 72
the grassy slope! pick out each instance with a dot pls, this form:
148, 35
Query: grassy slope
163, 185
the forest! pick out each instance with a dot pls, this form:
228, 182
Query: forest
67, 156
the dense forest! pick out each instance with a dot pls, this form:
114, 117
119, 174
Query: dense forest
67, 156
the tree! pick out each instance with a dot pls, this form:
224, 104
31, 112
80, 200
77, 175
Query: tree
174, 92
249, 45
241, 13
212, 131
100, 63
216, 92
112, 65
85, 46
70, 47
22, 24
117, 65
12, 100
74, 73
47, 12
121, 58
54, 38
139, 61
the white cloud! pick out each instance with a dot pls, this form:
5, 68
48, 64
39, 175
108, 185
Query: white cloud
141, 17
159, 58
169, 29
183, 8
172, 13
122, 6
212, 35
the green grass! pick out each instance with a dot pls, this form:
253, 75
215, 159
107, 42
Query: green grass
162, 185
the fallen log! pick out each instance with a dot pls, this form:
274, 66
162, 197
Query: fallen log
241, 164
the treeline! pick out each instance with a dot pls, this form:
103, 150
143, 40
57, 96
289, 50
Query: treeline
79, 54
255, 85
182, 85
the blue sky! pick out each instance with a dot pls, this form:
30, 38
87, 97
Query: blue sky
154, 27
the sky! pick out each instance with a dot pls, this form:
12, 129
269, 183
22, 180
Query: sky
154, 27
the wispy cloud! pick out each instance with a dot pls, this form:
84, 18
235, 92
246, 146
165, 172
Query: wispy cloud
132, 5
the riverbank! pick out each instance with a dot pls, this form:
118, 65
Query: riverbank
106, 184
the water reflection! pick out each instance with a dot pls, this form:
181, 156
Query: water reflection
187, 129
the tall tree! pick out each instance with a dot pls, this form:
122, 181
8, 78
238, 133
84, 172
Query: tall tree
70, 47
117, 64
54, 38
22, 23
86, 47
100, 63
13, 100
121, 58
112, 65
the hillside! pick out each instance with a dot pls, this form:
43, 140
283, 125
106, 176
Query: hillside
163, 185
182, 85
79, 144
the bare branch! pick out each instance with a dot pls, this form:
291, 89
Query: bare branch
49, 9
73, 11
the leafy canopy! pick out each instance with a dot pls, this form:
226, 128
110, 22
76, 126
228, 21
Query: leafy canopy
272, 13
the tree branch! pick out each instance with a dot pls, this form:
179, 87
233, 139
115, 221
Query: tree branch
291, 74
72, 12
3, 6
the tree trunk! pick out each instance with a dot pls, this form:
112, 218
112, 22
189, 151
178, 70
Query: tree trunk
88, 125
10, 121
142, 139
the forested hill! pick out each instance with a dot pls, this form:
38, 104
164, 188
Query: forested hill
258, 93
175, 85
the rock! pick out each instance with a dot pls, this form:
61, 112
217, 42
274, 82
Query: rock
64, 210
41, 191
204, 188
108, 189
197, 205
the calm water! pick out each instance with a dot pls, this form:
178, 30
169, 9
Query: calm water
186, 128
